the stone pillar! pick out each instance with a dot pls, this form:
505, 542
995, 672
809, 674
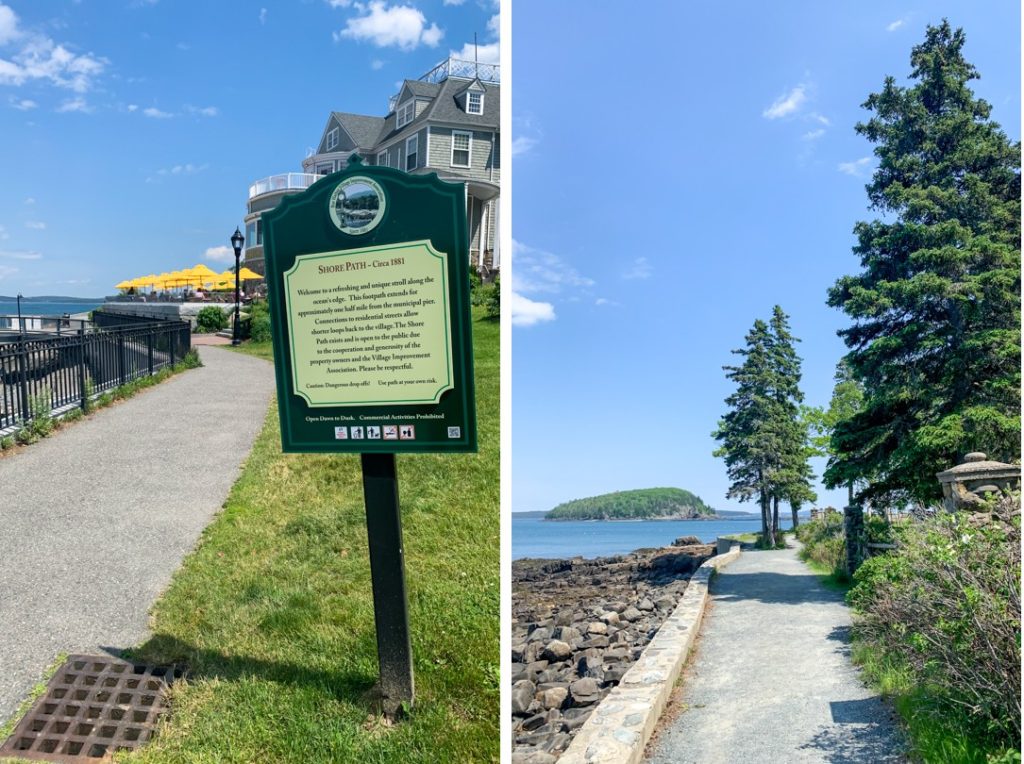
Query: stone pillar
853, 532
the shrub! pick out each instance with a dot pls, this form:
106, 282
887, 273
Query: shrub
41, 422
946, 607
211, 319
6, 442
492, 304
824, 543
190, 360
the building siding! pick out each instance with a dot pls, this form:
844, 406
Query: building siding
480, 161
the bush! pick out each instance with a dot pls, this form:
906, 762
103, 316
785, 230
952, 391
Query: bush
259, 321
41, 423
492, 303
211, 319
945, 607
824, 543
6, 442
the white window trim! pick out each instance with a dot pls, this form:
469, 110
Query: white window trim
409, 107
332, 134
473, 93
469, 152
412, 139
382, 155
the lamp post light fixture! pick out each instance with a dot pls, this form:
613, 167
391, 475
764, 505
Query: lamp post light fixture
21, 321
237, 240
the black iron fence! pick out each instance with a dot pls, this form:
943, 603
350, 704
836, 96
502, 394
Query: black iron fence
54, 374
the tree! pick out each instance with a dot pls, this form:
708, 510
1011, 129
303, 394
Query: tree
847, 400
795, 478
763, 441
936, 308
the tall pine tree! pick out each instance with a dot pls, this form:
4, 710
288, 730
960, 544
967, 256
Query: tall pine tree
764, 443
936, 309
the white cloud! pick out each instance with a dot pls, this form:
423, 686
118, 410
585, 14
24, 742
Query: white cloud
23, 104
339, 3
8, 25
35, 225
820, 118
856, 168
527, 312
20, 254
376, 64
537, 271
602, 301
521, 144
263, 15
6, 271
184, 169
640, 269
73, 105
30, 200
133, 107
813, 135
3, 233
221, 254
38, 57
787, 103
400, 26
895, 25
155, 113
494, 24
484, 54
454, 2
205, 111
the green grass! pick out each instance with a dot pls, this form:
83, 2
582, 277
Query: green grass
831, 579
743, 538
259, 349
935, 738
273, 614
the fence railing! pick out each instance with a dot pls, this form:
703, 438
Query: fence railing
55, 374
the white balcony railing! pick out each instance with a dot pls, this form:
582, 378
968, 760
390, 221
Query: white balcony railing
286, 181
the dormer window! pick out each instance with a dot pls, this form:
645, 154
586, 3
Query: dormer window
405, 114
474, 103
332, 139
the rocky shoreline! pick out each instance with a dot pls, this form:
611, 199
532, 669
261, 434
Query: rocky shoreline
577, 626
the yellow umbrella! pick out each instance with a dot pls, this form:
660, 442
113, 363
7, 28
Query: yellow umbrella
203, 271
123, 285
249, 275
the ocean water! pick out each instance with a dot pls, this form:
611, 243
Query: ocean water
533, 536
47, 308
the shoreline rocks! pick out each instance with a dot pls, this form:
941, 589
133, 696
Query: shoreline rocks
577, 626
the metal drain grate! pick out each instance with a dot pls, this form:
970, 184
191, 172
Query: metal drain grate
92, 707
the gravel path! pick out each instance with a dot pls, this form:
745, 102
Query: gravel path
96, 518
771, 679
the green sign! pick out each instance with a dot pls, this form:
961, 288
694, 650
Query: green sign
367, 272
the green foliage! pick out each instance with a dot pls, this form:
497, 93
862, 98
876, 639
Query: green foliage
633, 505
764, 441
190, 360
936, 308
492, 304
259, 326
824, 544
6, 442
211, 319
945, 609
40, 410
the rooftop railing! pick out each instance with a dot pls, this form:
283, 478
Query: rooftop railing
286, 181
457, 67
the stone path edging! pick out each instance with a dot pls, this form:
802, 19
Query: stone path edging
619, 728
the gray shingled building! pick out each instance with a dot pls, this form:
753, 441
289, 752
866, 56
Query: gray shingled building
446, 122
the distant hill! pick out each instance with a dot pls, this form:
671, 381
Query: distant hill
641, 504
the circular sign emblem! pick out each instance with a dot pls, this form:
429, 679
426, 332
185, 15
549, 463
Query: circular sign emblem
357, 205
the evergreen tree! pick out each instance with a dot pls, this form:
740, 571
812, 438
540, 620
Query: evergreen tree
763, 440
936, 309
847, 400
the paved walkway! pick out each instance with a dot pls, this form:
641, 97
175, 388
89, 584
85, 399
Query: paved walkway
771, 680
94, 520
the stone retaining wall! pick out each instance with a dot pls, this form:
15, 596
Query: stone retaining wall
618, 730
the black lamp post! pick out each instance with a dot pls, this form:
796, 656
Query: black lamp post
21, 323
237, 240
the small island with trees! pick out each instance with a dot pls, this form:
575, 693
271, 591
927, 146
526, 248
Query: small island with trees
640, 504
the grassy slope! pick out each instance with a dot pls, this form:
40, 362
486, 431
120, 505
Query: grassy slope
274, 616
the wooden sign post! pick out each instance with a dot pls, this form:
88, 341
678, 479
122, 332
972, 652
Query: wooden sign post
368, 281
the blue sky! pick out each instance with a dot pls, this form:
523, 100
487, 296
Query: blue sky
679, 169
133, 128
